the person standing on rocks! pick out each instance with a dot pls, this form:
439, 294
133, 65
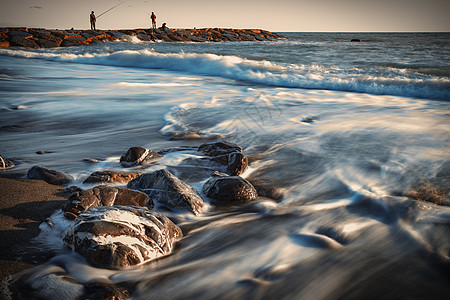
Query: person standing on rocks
92, 17
153, 17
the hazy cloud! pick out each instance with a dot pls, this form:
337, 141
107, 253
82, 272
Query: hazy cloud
35, 7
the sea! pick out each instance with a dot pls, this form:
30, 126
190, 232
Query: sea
350, 142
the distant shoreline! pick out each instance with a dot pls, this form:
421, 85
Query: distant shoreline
51, 38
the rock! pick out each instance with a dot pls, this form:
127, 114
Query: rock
4, 44
111, 177
121, 236
21, 34
72, 189
169, 191
356, 40
227, 154
237, 163
229, 190
197, 39
44, 43
74, 41
218, 148
103, 196
137, 155
23, 42
144, 37
39, 37
48, 175
104, 291
5, 164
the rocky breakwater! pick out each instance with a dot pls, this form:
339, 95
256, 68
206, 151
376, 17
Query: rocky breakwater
50, 38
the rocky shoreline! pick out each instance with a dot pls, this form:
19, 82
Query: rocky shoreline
50, 38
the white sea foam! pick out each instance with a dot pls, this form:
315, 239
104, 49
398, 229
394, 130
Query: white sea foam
387, 81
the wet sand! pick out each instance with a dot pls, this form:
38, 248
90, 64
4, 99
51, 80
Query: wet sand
24, 205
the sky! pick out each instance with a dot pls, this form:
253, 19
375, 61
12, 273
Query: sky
273, 15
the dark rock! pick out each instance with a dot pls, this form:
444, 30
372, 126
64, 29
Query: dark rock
121, 236
197, 39
48, 175
91, 160
111, 177
144, 37
5, 164
72, 189
356, 40
169, 191
21, 34
103, 196
218, 148
23, 42
227, 154
266, 189
137, 155
105, 291
75, 41
44, 43
229, 190
237, 163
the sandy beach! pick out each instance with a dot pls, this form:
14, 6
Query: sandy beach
24, 204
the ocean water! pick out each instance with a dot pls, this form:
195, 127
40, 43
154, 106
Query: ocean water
338, 134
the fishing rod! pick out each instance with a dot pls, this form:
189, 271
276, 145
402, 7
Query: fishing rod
110, 9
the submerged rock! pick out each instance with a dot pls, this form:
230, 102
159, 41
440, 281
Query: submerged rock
48, 175
5, 164
105, 291
103, 196
218, 148
137, 155
227, 154
121, 236
229, 190
111, 176
167, 190
429, 192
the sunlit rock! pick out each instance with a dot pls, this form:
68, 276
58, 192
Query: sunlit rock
111, 177
137, 155
5, 163
103, 196
168, 191
121, 236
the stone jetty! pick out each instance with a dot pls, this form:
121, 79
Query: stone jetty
49, 38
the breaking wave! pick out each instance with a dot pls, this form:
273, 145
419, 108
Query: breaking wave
373, 80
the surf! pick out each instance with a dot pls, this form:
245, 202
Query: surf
372, 80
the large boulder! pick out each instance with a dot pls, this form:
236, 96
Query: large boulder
111, 177
229, 190
227, 154
103, 196
49, 175
137, 155
5, 164
121, 236
20, 41
168, 191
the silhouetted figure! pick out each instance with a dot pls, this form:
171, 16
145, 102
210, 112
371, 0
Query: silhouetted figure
92, 20
164, 27
153, 17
